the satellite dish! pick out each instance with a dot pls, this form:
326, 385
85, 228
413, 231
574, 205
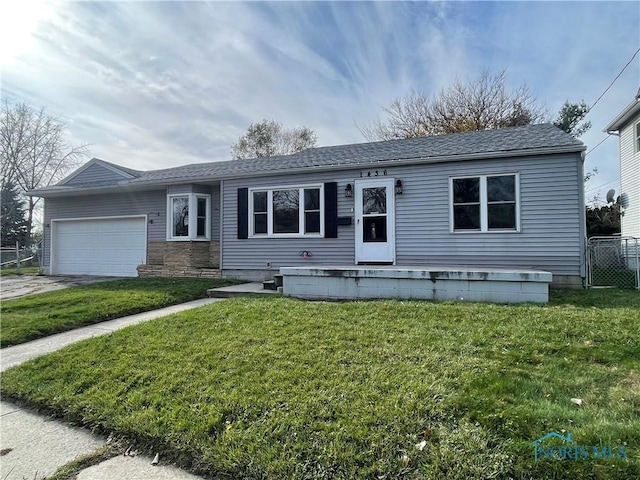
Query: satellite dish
611, 196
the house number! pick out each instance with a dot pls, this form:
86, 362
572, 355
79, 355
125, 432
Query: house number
375, 173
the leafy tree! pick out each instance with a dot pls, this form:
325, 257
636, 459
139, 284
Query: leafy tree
604, 219
14, 224
33, 151
268, 138
570, 116
480, 104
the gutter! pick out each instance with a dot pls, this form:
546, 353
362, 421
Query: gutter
148, 185
623, 117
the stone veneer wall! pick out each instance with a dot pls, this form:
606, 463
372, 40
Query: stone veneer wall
182, 255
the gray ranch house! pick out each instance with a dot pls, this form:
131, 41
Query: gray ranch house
508, 198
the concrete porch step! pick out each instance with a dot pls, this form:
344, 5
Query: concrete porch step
269, 285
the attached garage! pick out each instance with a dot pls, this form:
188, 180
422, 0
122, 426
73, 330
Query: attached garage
112, 246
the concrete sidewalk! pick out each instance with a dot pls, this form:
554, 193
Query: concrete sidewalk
33, 446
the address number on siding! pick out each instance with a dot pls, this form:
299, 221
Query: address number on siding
374, 173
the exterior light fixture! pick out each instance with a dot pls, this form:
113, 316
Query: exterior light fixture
348, 191
398, 187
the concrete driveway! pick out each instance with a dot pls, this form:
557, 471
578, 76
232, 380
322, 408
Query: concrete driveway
14, 286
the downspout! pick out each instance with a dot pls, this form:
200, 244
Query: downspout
583, 220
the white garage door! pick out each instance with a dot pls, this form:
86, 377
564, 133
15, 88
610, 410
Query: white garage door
110, 246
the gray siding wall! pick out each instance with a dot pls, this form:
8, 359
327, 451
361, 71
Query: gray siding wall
630, 180
151, 203
95, 174
551, 213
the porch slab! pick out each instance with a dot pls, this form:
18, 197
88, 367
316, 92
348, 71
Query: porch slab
341, 282
253, 289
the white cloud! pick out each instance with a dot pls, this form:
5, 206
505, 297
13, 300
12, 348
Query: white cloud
153, 85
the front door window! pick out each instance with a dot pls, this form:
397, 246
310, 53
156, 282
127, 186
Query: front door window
374, 214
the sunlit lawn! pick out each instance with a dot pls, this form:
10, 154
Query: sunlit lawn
43, 314
278, 388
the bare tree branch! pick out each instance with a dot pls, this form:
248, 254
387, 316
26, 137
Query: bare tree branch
33, 151
481, 104
268, 138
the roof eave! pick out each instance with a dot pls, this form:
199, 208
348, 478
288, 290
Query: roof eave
623, 117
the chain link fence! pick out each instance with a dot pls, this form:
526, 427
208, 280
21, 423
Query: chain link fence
28, 257
613, 262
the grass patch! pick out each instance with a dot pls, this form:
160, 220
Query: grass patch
5, 272
40, 315
279, 388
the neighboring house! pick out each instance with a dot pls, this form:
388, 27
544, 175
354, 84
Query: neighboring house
627, 126
497, 198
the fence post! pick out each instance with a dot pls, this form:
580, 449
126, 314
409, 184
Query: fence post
637, 265
18, 258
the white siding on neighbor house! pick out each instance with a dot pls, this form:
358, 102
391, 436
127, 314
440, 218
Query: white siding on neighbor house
95, 174
151, 203
630, 180
551, 219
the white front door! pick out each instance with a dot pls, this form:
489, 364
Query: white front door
375, 221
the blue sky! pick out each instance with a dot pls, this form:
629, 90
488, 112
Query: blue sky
159, 84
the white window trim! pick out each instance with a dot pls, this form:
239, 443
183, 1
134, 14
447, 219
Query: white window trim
193, 218
636, 137
301, 211
484, 215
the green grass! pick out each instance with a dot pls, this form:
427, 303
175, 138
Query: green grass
278, 388
23, 271
36, 316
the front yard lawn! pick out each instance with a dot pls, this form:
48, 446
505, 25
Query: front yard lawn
277, 388
43, 314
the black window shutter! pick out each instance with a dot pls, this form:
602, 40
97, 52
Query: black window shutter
331, 210
243, 213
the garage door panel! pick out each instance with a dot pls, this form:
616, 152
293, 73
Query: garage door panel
112, 247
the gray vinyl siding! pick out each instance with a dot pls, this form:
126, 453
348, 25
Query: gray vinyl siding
95, 174
551, 219
215, 212
630, 180
254, 253
151, 203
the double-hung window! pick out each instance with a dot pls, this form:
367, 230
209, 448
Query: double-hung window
485, 203
286, 211
189, 217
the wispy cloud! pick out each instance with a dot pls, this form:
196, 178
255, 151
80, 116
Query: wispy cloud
153, 85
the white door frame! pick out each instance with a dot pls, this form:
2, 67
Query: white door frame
375, 251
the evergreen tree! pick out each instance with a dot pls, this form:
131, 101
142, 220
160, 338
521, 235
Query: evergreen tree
14, 224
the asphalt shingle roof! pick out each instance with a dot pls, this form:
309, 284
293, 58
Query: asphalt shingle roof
518, 140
